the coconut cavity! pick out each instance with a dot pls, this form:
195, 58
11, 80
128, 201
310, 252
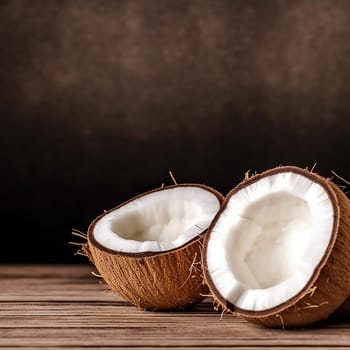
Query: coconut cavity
271, 239
159, 221
261, 239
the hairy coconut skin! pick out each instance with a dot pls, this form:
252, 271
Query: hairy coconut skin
159, 282
153, 280
329, 286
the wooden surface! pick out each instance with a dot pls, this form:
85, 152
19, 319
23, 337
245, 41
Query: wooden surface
67, 307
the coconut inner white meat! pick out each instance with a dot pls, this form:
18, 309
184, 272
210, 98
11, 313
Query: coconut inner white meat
271, 239
158, 221
268, 241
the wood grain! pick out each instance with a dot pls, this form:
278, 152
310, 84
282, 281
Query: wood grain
66, 306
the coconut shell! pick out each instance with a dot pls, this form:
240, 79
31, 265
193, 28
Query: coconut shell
158, 282
154, 280
329, 286
343, 311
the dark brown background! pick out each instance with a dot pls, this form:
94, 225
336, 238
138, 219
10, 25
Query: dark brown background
99, 99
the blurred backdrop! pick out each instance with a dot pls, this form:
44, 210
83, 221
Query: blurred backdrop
100, 99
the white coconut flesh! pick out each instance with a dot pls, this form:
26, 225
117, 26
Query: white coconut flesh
158, 221
268, 241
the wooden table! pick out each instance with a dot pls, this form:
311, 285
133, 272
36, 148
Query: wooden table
66, 306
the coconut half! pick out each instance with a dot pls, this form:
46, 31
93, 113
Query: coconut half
149, 249
277, 252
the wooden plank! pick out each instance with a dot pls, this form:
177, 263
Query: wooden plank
46, 271
175, 336
52, 283
66, 306
189, 348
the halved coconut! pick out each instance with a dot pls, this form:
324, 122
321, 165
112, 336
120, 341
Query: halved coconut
148, 249
278, 251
